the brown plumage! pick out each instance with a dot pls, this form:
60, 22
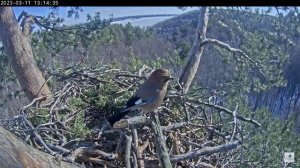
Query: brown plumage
148, 97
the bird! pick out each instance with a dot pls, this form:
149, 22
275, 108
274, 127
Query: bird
148, 97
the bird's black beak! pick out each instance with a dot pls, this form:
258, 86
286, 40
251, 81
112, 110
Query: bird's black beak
169, 79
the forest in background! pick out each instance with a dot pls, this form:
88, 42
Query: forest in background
271, 41
170, 45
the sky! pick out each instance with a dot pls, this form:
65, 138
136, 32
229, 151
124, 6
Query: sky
105, 12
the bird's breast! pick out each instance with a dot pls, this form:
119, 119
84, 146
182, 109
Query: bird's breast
156, 103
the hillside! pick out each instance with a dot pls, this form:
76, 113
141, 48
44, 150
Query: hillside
100, 78
168, 43
181, 29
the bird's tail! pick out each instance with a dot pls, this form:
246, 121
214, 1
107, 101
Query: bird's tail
116, 117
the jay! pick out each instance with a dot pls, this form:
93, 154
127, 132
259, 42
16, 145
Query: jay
148, 97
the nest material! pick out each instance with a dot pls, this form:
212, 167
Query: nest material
195, 133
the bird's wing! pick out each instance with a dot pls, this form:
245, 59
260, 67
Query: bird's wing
135, 102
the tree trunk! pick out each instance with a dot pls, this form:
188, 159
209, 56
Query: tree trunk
190, 69
19, 52
15, 153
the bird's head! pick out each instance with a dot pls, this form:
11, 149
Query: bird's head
161, 75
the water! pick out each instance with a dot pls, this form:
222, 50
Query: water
143, 22
107, 12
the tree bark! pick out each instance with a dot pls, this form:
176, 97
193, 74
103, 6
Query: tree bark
15, 153
137, 147
206, 151
19, 52
194, 57
127, 151
160, 143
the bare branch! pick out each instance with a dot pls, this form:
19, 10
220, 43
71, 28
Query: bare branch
59, 149
84, 154
174, 126
37, 135
23, 13
131, 122
33, 102
137, 148
127, 151
130, 75
160, 143
194, 57
233, 50
227, 111
234, 122
205, 151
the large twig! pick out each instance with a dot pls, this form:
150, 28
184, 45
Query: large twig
234, 50
130, 75
58, 149
33, 102
227, 111
37, 135
234, 123
84, 154
160, 143
205, 151
173, 126
137, 148
127, 151
26, 23
132, 122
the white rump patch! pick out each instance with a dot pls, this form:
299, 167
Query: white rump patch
138, 102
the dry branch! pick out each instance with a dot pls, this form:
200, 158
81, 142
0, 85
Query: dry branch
194, 57
85, 155
131, 122
127, 151
137, 148
112, 149
205, 151
160, 143
33, 102
234, 50
227, 111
